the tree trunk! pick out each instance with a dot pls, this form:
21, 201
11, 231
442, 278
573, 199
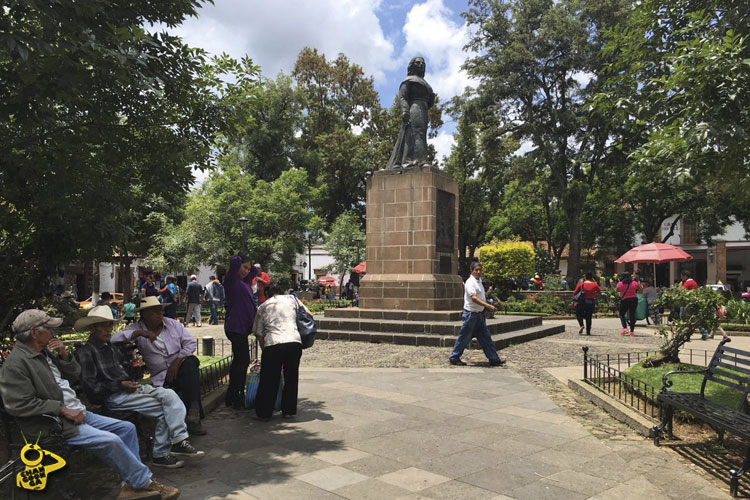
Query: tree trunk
95, 283
125, 262
573, 214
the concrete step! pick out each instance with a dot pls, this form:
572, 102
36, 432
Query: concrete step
390, 314
499, 324
501, 340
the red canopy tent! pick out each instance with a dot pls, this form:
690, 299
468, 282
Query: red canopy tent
327, 281
360, 268
654, 253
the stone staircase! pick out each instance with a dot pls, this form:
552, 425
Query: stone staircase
424, 328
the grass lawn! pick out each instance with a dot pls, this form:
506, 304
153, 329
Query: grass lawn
718, 393
207, 360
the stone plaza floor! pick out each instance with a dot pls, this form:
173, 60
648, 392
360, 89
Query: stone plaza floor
441, 433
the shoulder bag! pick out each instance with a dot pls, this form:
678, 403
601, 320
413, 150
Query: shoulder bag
306, 326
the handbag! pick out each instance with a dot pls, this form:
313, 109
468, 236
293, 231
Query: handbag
251, 388
578, 296
306, 326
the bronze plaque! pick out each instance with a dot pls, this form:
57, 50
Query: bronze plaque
445, 221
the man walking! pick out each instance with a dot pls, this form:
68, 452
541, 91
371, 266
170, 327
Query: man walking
474, 323
194, 294
214, 296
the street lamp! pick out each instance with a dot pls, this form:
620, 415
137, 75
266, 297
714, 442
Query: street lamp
243, 226
308, 236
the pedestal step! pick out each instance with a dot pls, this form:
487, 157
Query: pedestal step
405, 315
499, 324
501, 340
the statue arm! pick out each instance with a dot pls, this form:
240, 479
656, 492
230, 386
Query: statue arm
403, 101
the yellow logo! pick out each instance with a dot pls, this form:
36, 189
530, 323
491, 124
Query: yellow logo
34, 475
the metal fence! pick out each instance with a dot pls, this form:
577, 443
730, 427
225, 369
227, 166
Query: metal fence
217, 374
605, 371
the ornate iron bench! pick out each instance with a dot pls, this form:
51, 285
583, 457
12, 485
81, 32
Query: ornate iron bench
731, 368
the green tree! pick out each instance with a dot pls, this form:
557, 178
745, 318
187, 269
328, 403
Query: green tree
96, 106
278, 213
345, 243
537, 67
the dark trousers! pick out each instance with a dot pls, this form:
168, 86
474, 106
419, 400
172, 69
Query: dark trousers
187, 383
629, 306
585, 311
238, 370
273, 359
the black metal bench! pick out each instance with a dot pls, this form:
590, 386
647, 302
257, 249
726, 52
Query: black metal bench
731, 368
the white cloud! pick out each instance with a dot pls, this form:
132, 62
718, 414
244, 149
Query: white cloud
443, 144
273, 33
431, 32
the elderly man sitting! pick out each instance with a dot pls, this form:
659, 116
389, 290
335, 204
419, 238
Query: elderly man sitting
35, 382
167, 349
105, 380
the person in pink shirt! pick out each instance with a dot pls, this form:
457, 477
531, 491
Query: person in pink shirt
628, 289
688, 283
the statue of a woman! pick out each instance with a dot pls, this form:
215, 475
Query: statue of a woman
415, 97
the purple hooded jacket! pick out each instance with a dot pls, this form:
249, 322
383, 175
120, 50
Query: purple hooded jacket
239, 296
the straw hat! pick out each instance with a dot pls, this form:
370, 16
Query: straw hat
149, 302
98, 314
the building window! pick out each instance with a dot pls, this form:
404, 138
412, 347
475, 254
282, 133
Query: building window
689, 234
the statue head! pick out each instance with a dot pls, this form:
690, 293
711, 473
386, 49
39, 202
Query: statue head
416, 67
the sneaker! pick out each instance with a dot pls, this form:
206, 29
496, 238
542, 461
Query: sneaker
499, 362
168, 462
457, 362
184, 448
632, 333
624, 331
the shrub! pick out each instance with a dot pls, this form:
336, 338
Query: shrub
505, 259
738, 311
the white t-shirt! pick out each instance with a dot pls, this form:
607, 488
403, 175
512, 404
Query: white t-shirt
70, 400
276, 321
473, 287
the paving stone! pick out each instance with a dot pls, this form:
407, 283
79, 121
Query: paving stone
456, 489
373, 466
496, 479
291, 488
579, 482
560, 458
539, 490
332, 478
513, 448
371, 489
340, 456
462, 463
413, 479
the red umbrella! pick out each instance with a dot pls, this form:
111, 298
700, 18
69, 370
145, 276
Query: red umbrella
326, 280
654, 253
360, 268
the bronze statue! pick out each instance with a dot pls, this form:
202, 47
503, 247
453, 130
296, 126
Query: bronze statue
415, 97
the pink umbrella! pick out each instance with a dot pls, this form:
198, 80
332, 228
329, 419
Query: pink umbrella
654, 253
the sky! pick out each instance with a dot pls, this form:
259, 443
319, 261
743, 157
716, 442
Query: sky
379, 35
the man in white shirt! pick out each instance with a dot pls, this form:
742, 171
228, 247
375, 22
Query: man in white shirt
474, 323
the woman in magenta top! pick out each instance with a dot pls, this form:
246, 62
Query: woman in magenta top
628, 289
587, 304
238, 324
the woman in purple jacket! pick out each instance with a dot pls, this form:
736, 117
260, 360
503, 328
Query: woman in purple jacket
240, 315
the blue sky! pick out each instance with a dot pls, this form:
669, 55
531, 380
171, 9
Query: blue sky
379, 35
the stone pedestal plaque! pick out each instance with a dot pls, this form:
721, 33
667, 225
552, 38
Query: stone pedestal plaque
412, 241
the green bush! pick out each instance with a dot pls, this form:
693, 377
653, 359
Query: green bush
505, 259
543, 303
738, 311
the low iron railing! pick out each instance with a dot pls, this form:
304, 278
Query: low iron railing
605, 371
217, 374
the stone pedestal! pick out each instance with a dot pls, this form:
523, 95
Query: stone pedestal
412, 242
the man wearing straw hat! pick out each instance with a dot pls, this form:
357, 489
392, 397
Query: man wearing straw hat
167, 349
35, 383
106, 381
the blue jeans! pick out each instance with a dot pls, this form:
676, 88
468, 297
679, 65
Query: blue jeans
115, 443
162, 404
214, 318
474, 326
